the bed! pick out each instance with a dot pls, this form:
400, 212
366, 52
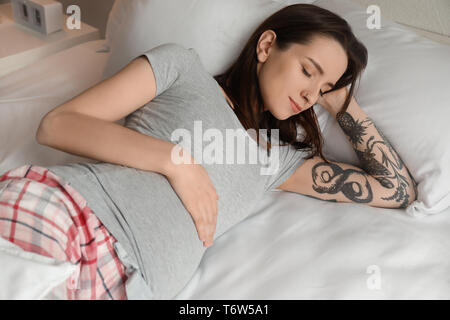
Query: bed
290, 247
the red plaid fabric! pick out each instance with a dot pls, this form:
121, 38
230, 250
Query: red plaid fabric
41, 213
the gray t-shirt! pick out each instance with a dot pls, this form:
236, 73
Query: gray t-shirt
141, 209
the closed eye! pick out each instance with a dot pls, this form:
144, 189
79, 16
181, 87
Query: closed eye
309, 76
306, 73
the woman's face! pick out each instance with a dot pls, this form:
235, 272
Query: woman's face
285, 74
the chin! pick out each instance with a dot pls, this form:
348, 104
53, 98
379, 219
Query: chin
282, 116
279, 115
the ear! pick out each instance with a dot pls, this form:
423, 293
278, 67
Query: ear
265, 44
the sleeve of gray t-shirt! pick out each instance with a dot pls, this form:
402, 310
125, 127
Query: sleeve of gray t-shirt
168, 62
289, 160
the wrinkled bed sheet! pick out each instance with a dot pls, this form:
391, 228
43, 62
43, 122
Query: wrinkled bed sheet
297, 247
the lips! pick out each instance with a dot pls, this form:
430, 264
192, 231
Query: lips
297, 108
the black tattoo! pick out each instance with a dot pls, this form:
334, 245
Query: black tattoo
331, 178
330, 200
355, 130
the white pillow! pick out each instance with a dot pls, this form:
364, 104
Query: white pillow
405, 90
216, 29
114, 20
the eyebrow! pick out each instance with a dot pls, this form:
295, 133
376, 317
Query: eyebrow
320, 70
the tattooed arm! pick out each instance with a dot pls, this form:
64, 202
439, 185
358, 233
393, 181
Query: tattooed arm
382, 181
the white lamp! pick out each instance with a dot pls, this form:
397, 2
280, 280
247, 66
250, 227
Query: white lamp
45, 16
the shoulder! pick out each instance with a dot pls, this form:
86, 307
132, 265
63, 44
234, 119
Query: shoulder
175, 51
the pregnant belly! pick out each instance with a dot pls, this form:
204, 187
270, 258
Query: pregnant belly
166, 237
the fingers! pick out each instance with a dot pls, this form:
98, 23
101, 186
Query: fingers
207, 220
211, 218
213, 224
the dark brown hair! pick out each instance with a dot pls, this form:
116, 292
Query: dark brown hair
298, 23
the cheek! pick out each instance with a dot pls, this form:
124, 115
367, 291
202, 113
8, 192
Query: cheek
277, 82
296, 79
268, 85
288, 84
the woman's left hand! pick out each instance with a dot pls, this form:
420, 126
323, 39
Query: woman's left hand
333, 101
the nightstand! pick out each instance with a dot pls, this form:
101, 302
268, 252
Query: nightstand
21, 46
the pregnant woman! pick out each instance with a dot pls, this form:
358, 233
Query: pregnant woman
139, 209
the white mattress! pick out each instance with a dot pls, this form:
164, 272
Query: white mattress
292, 246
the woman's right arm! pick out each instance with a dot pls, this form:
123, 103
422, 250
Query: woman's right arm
85, 125
106, 141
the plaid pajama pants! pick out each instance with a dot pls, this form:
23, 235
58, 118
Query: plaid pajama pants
42, 214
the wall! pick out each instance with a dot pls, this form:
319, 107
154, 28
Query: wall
429, 15
426, 17
93, 12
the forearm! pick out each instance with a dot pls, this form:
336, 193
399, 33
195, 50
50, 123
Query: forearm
105, 141
377, 156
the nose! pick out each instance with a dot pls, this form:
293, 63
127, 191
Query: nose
311, 95
310, 99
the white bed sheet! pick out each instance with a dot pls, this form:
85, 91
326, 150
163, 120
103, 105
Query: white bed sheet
297, 247
27, 94
291, 247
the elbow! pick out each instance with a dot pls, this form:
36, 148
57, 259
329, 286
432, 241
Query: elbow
412, 189
411, 194
39, 136
43, 131
409, 202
